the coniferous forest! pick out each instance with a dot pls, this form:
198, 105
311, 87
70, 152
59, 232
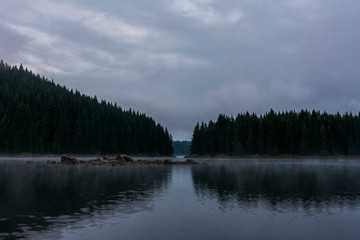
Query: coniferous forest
38, 116
293, 133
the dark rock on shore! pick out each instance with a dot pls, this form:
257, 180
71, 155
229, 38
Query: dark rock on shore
69, 161
121, 160
168, 162
127, 158
93, 161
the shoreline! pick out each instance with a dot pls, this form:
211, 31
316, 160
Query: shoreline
119, 160
221, 156
78, 155
196, 156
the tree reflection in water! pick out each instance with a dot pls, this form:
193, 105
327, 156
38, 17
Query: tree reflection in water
32, 196
285, 185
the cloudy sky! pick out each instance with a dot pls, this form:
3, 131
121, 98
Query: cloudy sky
184, 61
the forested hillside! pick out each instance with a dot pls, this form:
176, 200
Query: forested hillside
295, 133
38, 116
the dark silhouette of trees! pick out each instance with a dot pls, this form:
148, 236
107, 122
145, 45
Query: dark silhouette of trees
293, 133
38, 116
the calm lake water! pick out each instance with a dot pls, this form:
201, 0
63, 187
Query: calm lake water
224, 199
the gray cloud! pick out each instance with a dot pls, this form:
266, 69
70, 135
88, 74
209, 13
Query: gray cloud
187, 61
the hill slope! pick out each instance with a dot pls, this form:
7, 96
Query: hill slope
38, 116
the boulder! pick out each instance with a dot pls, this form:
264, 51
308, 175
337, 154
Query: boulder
69, 161
95, 161
157, 161
106, 158
127, 158
119, 158
168, 162
115, 162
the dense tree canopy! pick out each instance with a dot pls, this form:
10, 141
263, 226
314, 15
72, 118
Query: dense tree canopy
295, 133
38, 116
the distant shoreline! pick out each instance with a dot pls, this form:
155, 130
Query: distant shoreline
221, 156
273, 156
50, 155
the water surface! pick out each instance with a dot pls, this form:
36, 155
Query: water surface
224, 199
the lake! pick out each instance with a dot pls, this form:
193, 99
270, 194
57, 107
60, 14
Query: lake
222, 199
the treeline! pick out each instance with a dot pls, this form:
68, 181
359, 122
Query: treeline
294, 133
38, 116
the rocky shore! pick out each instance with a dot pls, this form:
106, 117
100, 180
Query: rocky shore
119, 160
280, 156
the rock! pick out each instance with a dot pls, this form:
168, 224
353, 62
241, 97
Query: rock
118, 161
115, 162
51, 162
127, 158
31, 163
69, 161
95, 161
157, 161
168, 162
119, 158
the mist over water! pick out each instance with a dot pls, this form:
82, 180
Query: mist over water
223, 199
301, 184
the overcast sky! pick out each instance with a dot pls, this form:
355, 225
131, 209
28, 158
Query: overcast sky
185, 61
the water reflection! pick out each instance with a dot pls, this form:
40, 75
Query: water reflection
35, 197
290, 185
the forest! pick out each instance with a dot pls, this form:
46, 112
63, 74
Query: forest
39, 116
287, 133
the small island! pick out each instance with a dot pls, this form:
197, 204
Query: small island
119, 160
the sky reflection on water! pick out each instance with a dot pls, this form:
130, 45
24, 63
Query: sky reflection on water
224, 199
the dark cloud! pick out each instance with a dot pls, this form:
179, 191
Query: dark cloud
185, 61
